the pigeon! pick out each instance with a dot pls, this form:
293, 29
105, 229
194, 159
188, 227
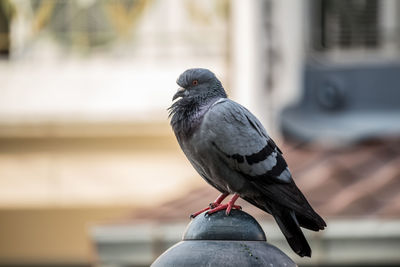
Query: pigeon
231, 150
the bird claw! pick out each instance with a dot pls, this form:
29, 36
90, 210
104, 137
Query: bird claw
217, 206
226, 207
194, 215
229, 208
210, 207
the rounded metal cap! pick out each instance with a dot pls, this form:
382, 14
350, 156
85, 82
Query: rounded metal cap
218, 226
221, 240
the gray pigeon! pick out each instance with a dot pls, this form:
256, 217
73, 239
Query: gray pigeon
232, 151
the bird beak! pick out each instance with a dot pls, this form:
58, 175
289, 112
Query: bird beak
179, 93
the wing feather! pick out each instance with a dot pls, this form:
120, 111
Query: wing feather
244, 143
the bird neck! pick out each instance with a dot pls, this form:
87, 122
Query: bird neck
187, 114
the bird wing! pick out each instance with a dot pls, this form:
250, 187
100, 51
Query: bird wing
240, 140
243, 143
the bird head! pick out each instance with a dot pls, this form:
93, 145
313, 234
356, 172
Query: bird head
199, 84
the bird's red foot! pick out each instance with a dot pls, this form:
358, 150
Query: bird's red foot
226, 207
213, 205
194, 215
217, 206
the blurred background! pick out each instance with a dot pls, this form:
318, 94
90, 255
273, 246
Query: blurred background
90, 172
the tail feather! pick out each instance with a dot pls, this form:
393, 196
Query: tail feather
290, 221
290, 228
315, 223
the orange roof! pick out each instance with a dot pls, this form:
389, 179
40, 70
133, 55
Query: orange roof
358, 181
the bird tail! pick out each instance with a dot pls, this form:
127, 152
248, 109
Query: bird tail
290, 220
290, 228
311, 221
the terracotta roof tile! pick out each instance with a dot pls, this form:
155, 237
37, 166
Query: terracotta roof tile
361, 181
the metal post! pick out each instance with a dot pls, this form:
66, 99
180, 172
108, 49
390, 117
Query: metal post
221, 240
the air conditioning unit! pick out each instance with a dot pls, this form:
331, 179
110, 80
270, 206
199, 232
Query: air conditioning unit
351, 77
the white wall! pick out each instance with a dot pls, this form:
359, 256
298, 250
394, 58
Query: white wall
249, 56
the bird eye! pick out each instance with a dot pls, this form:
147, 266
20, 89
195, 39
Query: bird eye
195, 82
